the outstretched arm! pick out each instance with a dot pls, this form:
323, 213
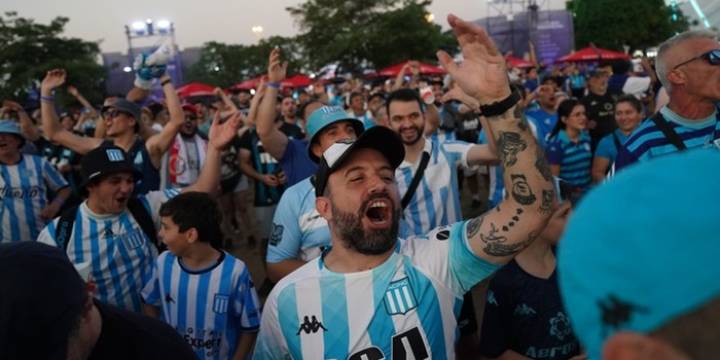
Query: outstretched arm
159, 143
50, 123
219, 138
274, 141
501, 233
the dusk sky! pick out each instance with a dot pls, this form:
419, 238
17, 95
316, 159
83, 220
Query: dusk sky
197, 22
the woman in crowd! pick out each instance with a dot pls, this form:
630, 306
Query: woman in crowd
568, 149
628, 116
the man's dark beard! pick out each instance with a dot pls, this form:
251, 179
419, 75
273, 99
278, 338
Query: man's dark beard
186, 135
373, 242
420, 132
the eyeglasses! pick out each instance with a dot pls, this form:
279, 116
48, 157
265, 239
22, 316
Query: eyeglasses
712, 57
113, 113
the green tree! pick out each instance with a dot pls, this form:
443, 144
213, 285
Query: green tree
224, 65
30, 49
613, 23
380, 32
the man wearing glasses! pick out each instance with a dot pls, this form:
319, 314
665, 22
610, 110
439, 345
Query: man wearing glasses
122, 124
688, 66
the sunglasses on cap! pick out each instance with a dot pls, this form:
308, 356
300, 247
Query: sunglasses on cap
113, 113
712, 57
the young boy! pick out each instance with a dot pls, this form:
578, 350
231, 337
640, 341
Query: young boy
205, 293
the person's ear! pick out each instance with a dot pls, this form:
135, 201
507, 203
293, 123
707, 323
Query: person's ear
316, 148
634, 346
324, 208
191, 235
676, 77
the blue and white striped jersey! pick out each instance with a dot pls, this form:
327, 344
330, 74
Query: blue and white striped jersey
574, 158
496, 188
406, 306
210, 308
647, 141
23, 192
120, 254
298, 230
436, 201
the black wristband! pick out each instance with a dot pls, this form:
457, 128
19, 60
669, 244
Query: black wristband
500, 107
165, 82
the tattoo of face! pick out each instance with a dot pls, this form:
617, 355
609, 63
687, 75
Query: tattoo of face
521, 191
542, 166
510, 144
547, 201
495, 245
473, 226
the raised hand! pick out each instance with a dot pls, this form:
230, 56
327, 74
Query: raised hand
483, 73
456, 93
221, 135
277, 69
72, 90
12, 106
53, 79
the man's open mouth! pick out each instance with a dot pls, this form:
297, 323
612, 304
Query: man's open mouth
379, 211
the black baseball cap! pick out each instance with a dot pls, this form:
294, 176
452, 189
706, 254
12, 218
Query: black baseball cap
106, 160
380, 138
43, 296
126, 106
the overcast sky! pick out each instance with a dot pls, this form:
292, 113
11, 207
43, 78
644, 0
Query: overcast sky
197, 22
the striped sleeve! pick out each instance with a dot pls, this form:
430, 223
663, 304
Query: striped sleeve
151, 288
457, 151
47, 235
246, 304
154, 199
271, 342
53, 178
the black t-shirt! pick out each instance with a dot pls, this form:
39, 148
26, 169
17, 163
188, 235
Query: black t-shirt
292, 131
264, 164
127, 335
524, 314
601, 110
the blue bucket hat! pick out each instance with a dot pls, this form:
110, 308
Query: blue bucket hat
11, 127
642, 249
323, 117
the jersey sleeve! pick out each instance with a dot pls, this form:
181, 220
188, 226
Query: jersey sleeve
271, 343
151, 288
554, 152
47, 235
154, 199
496, 319
606, 148
246, 304
53, 178
447, 256
457, 150
285, 237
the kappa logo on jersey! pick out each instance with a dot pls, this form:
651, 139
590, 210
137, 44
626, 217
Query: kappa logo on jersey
220, 303
524, 310
399, 298
114, 155
310, 326
169, 299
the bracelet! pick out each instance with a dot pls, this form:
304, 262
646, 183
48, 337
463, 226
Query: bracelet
274, 85
500, 107
47, 98
165, 82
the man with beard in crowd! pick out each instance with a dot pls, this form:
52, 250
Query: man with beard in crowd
599, 106
370, 296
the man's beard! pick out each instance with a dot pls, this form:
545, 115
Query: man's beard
188, 134
420, 132
372, 242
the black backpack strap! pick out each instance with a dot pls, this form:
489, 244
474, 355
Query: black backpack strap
144, 219
64, 226
668, 131
416, 180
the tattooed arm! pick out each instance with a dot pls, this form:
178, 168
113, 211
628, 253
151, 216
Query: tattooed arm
502, 232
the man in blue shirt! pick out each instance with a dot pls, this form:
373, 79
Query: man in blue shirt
543, 119
371, 296
688, 66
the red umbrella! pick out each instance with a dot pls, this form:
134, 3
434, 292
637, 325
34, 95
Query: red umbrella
195, 89
593, 54
297, 81
518, 62
425, 69
248, 84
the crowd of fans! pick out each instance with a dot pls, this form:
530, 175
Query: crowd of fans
146, 199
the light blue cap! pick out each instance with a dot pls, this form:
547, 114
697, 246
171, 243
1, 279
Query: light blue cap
643, 248
324, 116
11, 127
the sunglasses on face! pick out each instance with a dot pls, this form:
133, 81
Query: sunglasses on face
111, 114
712, 57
